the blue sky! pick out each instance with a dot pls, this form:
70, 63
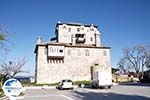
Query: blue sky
122, 23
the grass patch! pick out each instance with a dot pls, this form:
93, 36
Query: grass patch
125, 82
52, 84
82, 82
21, 94
55, 84
1, 92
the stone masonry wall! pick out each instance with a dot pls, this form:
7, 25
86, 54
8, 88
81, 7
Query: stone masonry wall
76, 64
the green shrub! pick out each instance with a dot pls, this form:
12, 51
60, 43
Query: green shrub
55, 84
82, 82
1, 92
52, 84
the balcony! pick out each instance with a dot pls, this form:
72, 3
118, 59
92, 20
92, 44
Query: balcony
56, 51
80, 40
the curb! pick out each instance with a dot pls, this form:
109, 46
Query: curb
7, 98
44, 87
4, 98
20, 97
115, 84
40, 87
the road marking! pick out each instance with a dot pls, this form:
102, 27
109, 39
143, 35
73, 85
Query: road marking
69, 98
37, 96
40, 96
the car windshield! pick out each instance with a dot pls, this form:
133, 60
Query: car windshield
69, 81
66, 81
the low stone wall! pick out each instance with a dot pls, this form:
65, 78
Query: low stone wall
123, 78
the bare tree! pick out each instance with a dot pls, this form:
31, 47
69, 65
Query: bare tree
124, 66
148, 60
138, 57
12, 68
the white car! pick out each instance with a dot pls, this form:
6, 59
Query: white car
65, 84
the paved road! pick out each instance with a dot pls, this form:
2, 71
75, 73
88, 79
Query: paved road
120, 92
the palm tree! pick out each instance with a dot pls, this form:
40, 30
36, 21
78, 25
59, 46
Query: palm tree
1, 37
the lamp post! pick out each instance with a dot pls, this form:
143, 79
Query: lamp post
10, 64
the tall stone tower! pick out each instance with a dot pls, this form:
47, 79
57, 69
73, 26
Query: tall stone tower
71, 54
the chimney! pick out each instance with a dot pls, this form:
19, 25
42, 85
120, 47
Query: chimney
97, 39
39, 40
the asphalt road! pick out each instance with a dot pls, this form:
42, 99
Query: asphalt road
119, 92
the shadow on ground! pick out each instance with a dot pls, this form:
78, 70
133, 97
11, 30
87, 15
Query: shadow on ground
107, 96
136, 84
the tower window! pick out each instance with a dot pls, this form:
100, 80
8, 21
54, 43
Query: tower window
91, 39
64, 27
69, 52
69, 29
104, 53
45, 51
78, 29
92, 29
60, 51
87, 53
51, 49
79, 53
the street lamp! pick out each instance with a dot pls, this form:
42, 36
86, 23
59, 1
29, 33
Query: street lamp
10, 62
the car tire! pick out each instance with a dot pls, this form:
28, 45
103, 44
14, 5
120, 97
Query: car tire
109, 87
61, 88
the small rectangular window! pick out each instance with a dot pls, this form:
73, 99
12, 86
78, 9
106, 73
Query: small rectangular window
87, 53
91, 39
64, 27
45, 51
79, 53
104, 53
69, 29
78, 29
69, 52
60, 51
